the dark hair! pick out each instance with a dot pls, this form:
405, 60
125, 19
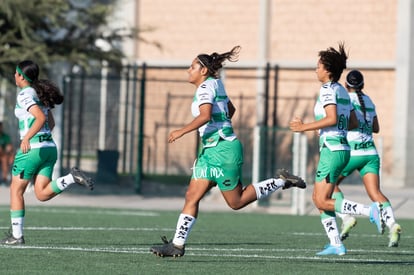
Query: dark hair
334, 61
48, 93
214, 62
355, 80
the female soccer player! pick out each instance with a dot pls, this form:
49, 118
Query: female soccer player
364, 158
37, 154
333, 116
221, 157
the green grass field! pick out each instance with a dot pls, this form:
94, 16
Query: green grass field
116, 241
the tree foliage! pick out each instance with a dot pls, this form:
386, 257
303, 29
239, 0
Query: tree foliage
48, 31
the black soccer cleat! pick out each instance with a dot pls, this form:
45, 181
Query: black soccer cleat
81, 179
10, 240
290, 180
168, 249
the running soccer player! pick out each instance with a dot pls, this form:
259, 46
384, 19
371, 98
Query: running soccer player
221, 157
364, 158
37, 154
333, 116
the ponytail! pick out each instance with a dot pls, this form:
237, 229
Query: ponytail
214, 62
360, 95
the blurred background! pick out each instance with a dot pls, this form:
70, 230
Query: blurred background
121, 65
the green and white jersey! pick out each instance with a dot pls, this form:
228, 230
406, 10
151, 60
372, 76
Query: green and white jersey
334, 137
26, 98
212, 91
361, 139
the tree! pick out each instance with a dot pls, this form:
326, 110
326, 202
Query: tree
49, 31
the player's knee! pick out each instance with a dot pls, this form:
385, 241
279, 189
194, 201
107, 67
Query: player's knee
235, 205
319, 202
41, 197
314, 199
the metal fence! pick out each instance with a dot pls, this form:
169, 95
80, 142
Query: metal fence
115, 124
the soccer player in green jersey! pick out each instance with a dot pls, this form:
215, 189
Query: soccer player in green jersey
37, 153
221, 157
365, 158
333, 117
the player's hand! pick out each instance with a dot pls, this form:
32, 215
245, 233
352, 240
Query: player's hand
25, 146
174, 135
296, 125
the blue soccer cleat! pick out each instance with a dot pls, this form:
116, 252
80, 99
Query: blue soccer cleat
375, 217
333, 250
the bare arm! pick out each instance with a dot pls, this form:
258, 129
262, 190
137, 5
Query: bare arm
200, 120
296, 124
40, 120
375, 125
231, 108
51, 120
353, 121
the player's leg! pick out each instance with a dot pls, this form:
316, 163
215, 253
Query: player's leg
227, 166
239, 197
329, 168
348, 221
45, 188
176, 247
23, 170
370, 177
321, 197
201, 182
17, 211
345, 206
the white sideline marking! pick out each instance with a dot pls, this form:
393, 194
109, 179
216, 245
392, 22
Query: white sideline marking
108, 228
94, 211
390, 251
145, 250
74, 228
353, 235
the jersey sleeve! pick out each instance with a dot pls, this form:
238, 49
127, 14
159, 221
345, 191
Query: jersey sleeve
205, 94
25, 100
327, 96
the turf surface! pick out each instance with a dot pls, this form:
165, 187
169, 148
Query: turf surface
63, 240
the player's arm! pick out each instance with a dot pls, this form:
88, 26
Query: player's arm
40, 120
297, 125
375, 125
353, 120
200, 120
50, 120
231, 109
